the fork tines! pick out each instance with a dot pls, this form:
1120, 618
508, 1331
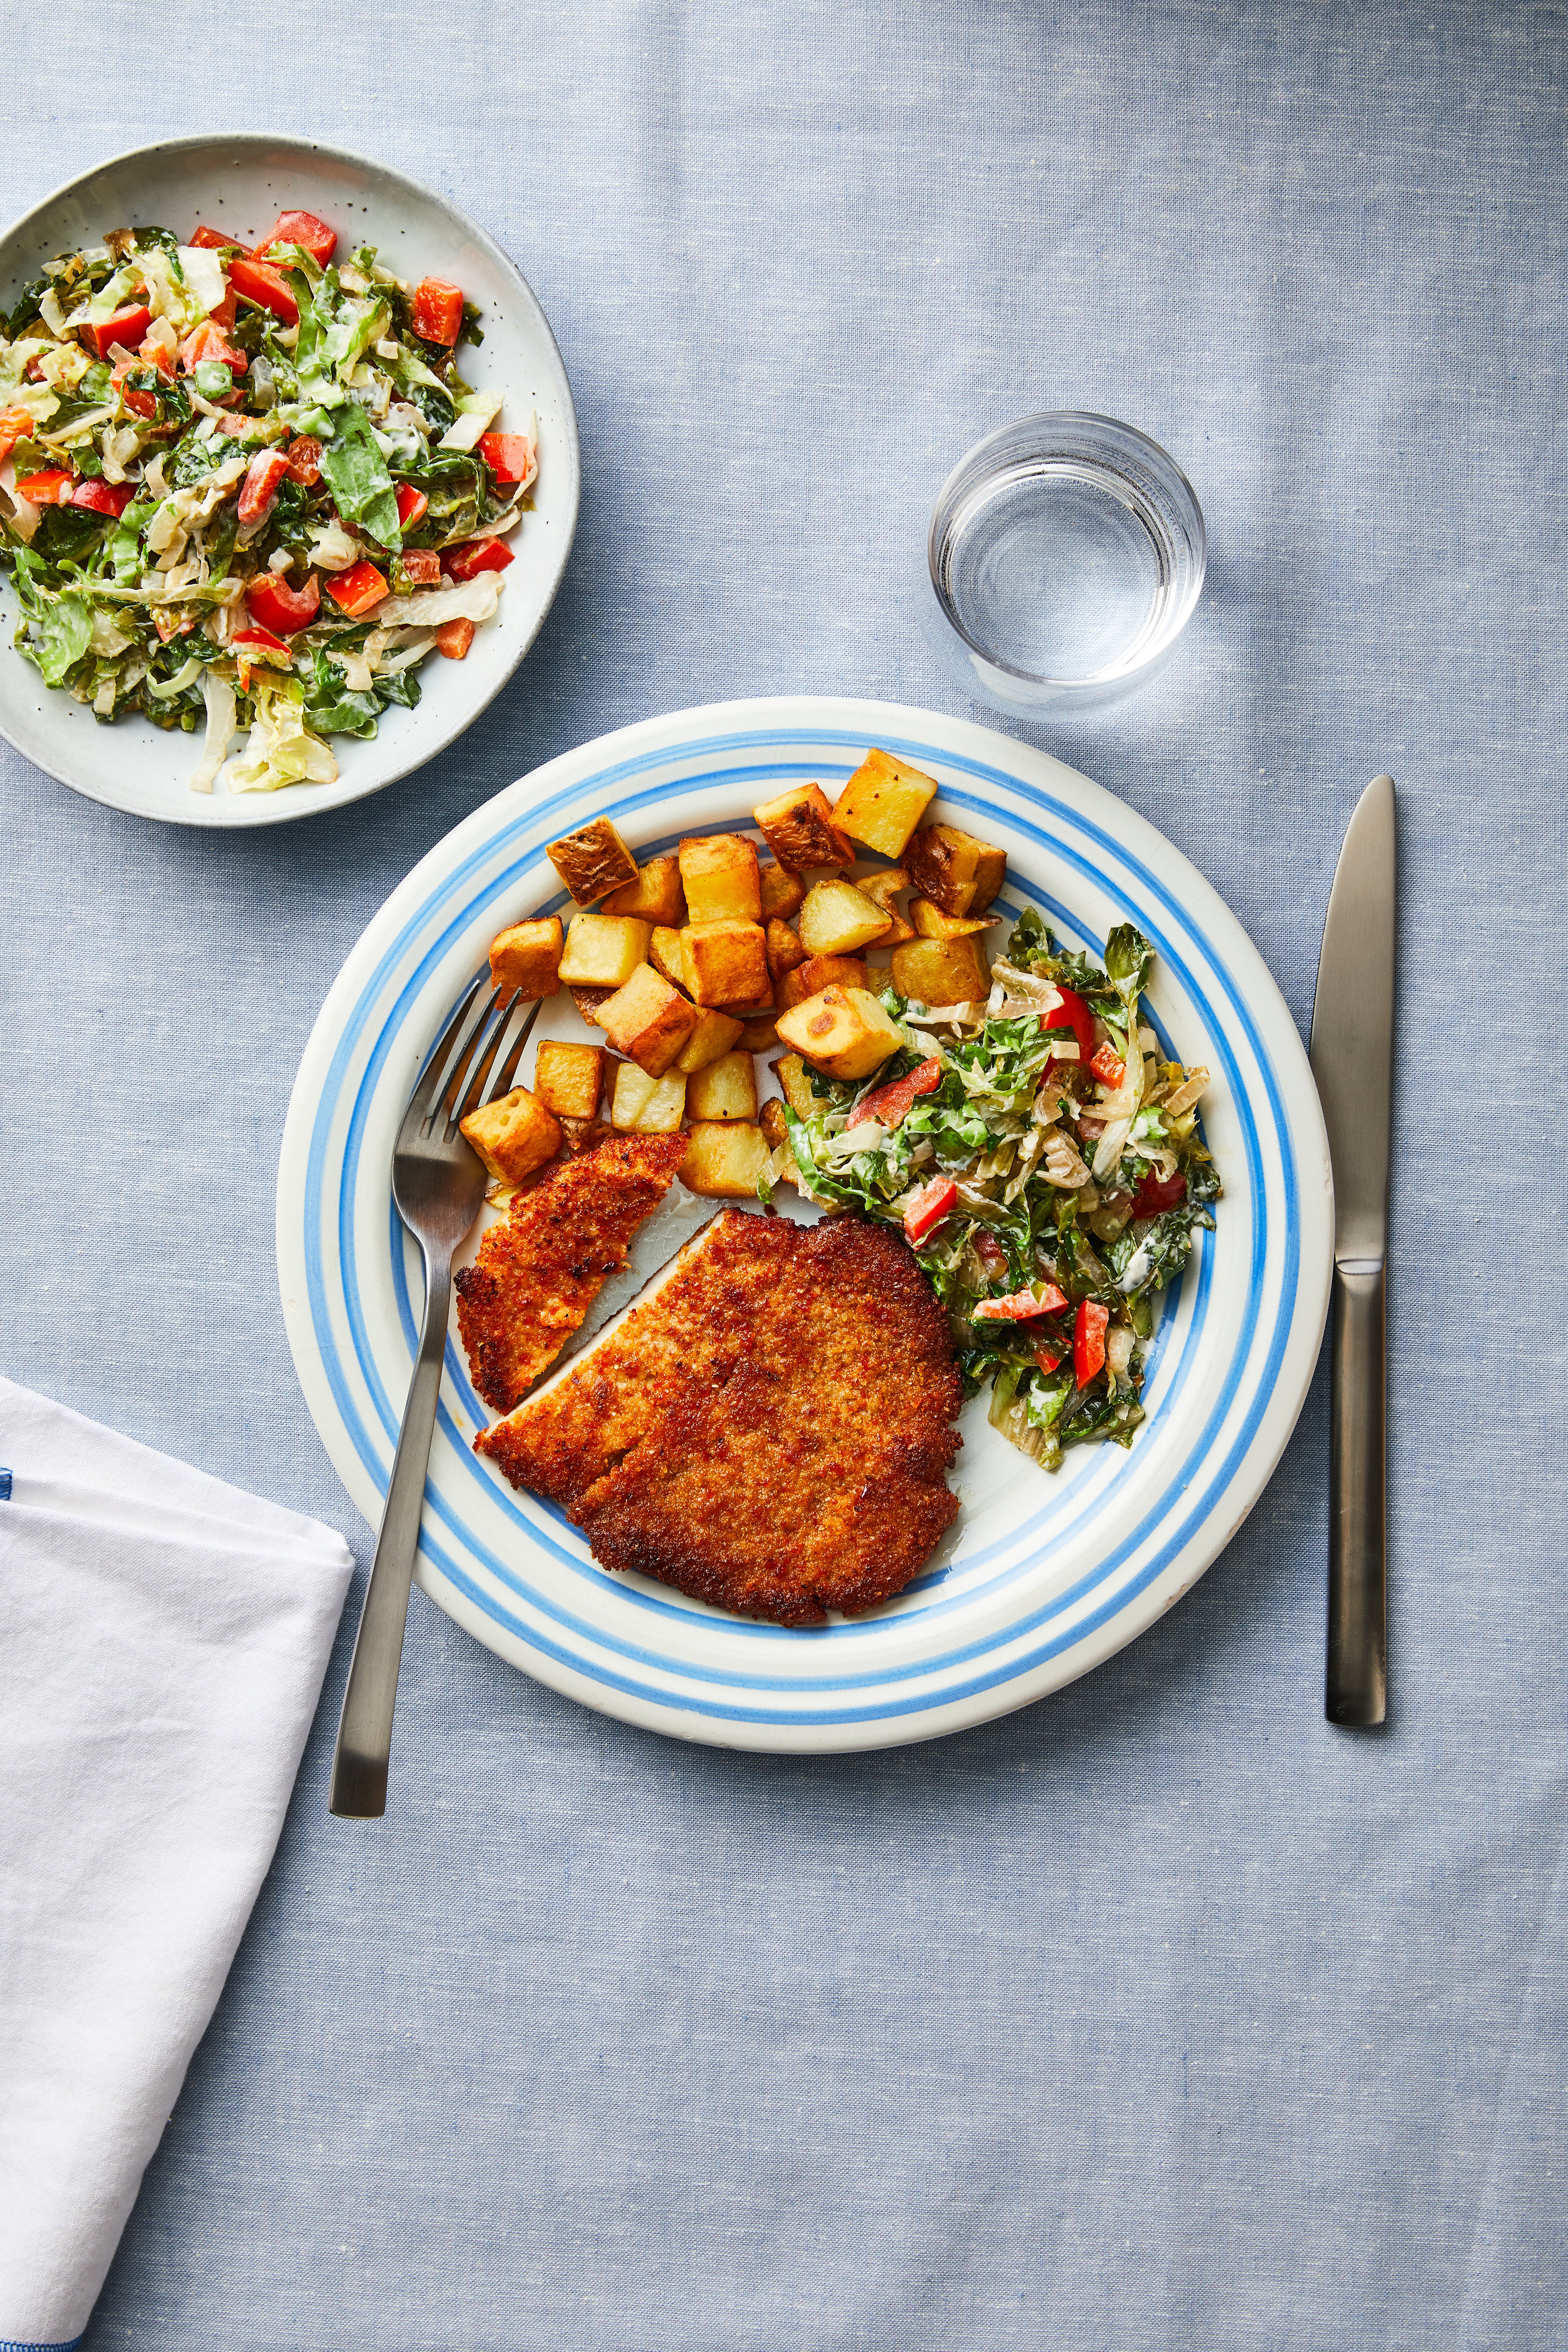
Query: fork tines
460, 1075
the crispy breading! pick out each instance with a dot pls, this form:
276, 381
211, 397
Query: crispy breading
768, 1430
537, 1274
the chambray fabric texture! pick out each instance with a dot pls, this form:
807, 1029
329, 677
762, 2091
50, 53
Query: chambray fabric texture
1161, 2014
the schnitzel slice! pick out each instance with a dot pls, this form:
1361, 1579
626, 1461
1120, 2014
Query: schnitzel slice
537, 1274
767, 1428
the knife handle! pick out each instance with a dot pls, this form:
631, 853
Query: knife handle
1356, 1683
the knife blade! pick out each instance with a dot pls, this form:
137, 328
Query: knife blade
1353, 1062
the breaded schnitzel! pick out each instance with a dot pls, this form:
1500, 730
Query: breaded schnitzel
767, 1428
536, 1277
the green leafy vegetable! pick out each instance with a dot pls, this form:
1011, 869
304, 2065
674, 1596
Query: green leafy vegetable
356, 471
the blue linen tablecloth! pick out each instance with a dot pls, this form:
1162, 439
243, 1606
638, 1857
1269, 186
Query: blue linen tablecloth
1162, 2014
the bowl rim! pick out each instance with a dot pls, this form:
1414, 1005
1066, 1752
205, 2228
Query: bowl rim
278, 808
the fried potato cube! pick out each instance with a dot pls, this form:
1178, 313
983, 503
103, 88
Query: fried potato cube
716, 1033
771, 1119
960, 872
820, 972
719, 874
782, 892
883, 801
931, 923
527, 958
724, 1159
727, 962
844, 1032
648, 1020
758, 1034
837, 918
941, 971
656, 895
727, 1089
667, 953
798, 828
646, 1105
784, 949
567, 1079
515, 1136
792, 1075
604, 950
588, 1001
882, 888
751, 1008
593, 861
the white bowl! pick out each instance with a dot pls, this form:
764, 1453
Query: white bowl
242, 182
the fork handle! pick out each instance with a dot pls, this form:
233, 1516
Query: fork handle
364, 1728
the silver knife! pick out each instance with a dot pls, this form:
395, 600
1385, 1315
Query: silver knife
1353, 1061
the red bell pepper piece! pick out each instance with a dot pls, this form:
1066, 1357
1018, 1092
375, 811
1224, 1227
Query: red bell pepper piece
302, 229
453, 638
358, 590
893, 1103
304, 460
1107, 1066
1046, 1358
14, 425
169, 626
102, 498
275, 605
423, 566
475, 555
259, 641
991, 1254
930, 1204
410, 505
253, 646
1019, 1306
1070, 1012
209, 342
258, 282
212, 240
438, 310
1090, 1327
1155, 1194
258, 489
50, 490
126, 327
508, 456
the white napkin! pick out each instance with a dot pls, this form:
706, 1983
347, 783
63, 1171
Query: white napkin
162, 1641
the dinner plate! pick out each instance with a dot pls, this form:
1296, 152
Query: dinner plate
241, 182
1042, 1577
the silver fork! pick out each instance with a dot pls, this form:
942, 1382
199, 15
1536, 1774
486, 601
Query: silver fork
439, 1184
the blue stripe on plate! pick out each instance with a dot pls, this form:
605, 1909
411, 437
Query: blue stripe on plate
1198, 1492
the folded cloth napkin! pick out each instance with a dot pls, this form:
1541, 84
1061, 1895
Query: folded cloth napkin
162, 1641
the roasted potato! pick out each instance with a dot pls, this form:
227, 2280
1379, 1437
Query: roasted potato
820, 972
798, 828
782, 892
588, 1001
882, 803
793, 1077
648, 1020
727, 1089
568, 1079
667, 953
843, 1032
882, 888
837, 918
656, 895
958, 872
941, 971
727, 962
527, 958
783, 950
604, 950
592, 861
719, 874
715, 1034
515, 1136
646, 1105
758, 1034
724, 1159
771, 1119
931, 923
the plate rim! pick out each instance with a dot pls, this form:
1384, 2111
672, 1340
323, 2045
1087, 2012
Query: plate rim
1280, 1406
259, 809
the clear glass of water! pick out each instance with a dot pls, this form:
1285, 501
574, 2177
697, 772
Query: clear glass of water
1067, 553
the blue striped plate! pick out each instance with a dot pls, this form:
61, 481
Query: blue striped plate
1041, 1577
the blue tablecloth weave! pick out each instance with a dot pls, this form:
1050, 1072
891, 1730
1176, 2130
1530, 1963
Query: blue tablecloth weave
1162, 2014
